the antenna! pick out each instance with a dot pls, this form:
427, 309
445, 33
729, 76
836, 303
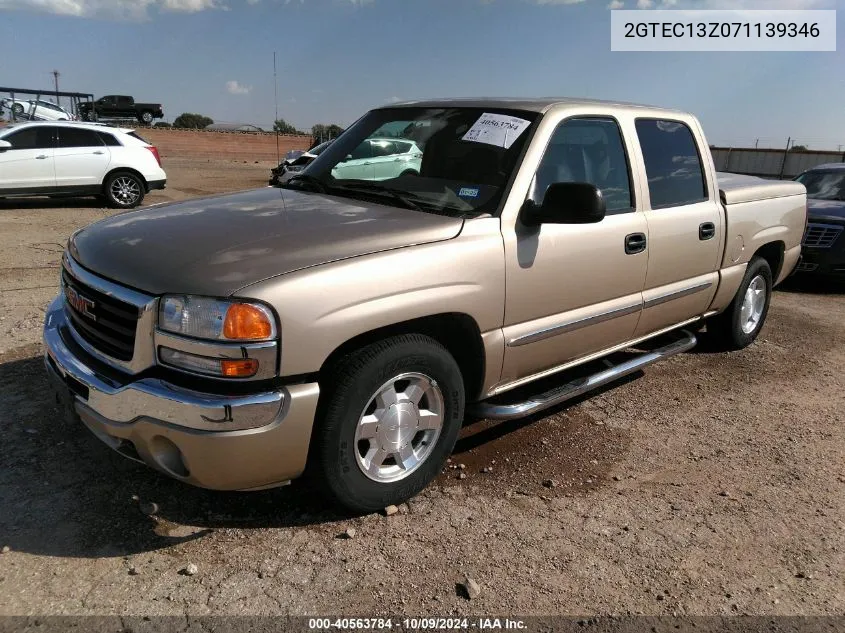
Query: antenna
56, 74
276, 93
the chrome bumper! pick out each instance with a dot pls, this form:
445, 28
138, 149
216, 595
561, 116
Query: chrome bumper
209, 440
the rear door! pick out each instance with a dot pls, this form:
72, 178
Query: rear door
685, 224
28, 165
81, 157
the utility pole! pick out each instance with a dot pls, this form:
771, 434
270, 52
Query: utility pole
276, 96
755, 143
785, 154
56, 74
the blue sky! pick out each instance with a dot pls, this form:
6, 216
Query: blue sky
337, 58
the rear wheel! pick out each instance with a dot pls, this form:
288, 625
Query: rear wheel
17, 108
740, 324
391, 415
146, 117
124, 190
89, 116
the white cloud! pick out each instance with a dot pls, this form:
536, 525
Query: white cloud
131, 9
234, 88
559, 1
616, 4
734, 4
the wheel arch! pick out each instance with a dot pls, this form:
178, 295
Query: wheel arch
456, 331
129, 170
773, 254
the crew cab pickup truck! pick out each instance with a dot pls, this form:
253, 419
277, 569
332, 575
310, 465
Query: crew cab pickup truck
343, 327
121, 107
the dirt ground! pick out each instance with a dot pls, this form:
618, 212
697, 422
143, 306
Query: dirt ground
712, 484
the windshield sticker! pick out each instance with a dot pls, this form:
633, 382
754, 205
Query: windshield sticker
497, 129
468, 192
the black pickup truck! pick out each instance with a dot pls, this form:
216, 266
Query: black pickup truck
120, 106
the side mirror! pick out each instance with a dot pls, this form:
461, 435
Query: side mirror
567, 203
4, 145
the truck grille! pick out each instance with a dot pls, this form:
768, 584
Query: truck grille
821, 235
106, 323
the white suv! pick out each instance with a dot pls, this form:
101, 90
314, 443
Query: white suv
78, 159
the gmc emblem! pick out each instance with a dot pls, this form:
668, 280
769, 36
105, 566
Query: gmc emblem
81, 304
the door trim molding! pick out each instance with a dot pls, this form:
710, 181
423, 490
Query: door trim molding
574, 324
512, 384
676, 294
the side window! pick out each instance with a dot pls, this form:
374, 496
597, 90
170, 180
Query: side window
383, 148
75, 137
672, 163
364, 150
587, 150
32, 138
108, 139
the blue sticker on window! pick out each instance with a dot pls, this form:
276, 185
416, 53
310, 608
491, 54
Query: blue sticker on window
468, 192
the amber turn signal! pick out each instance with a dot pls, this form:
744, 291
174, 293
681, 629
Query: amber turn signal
241, 368
246, 322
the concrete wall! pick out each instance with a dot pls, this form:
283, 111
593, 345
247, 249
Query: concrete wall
221, 145
770, 163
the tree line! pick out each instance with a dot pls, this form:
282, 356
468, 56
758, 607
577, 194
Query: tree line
194, 121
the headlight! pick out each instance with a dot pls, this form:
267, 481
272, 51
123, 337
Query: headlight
206, 318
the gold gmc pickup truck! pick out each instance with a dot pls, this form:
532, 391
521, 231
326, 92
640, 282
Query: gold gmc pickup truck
491, 257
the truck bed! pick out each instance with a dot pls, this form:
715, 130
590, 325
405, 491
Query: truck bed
737, 188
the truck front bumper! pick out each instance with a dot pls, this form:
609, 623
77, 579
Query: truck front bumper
181, 432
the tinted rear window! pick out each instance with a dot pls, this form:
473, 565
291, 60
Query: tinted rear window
140, 138
108, 139
672, 163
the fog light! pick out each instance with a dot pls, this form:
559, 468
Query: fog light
220, 367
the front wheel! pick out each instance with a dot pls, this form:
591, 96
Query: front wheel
124, 190
738, 326
17, 108
391, 415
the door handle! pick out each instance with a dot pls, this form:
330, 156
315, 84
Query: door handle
42, 156
635, 243
98, 152
706, 231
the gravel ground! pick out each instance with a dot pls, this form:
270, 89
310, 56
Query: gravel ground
712, 484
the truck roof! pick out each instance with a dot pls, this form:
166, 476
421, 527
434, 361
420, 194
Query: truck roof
539, 104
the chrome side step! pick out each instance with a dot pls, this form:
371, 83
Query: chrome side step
493, 411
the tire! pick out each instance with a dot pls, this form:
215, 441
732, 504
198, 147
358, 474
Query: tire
146, 117
124, 190
89, 116
17, 108
409, 172
740, 324
352, 427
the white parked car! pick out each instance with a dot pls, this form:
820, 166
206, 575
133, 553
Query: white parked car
380, 159
78, 159
37, 109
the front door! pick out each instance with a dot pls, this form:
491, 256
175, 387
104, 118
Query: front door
28, 165
358, 165
573, 290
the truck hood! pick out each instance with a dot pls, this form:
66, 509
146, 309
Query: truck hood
820, 210
214, 246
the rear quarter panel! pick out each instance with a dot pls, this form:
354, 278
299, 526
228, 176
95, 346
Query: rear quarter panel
754, 223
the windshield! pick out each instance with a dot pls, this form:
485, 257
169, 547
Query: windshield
455, 161
824, 185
